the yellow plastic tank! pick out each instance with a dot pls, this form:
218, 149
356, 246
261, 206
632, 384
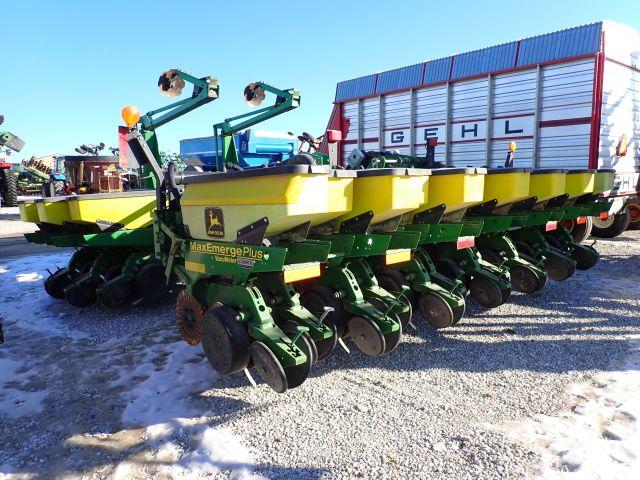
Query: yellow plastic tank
387, 192
547, 183
217, 205
54, 210
456, 188
605, 179
340, 197
28, 211
131, 209
506, 185
580, 182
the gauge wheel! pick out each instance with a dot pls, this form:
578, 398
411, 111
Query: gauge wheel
525, 279
485, 292
585, 259
435, 310
225, 340
367, 336
559, 268
318, 297
268, 366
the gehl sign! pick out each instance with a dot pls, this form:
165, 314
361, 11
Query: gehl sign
464, 131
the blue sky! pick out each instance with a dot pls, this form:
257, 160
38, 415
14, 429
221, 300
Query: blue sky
70, 66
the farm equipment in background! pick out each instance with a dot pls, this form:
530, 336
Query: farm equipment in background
8, 179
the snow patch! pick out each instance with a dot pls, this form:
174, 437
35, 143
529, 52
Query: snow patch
22, 297
16, 400
600, 437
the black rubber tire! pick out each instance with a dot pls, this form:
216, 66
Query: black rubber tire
115, 294
81, 295
558, 269
392, 281
458, 312
526, 251
8, 188
318, 297
268, 366
485, 292
55, 284
582, 231
491, 256
447, 267
554, 242
525, 280
614, 228
298, 374
151, 282
585, 259
225, 340
367, 336
435, 310
327, 346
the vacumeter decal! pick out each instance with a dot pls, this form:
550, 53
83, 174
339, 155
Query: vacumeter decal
214, 221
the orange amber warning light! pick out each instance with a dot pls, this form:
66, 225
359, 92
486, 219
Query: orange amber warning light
130, 115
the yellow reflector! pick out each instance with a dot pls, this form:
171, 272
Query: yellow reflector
397, 257
302, 273
194, 266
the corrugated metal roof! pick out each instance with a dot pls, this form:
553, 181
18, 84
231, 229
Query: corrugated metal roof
437, 70
492, 59
571, 42
356, 87
398, 78
567, 43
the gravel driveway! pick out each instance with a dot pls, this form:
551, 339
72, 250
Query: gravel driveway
92, 394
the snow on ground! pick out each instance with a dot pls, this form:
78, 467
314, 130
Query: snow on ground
114, 394
11, 225
598, 437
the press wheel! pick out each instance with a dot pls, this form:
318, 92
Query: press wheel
55, 284
268, 366
189, 315
525, 279
449, 268
297, 374
225, 340
491, 256
435, 310
318, 297
115, 293
558, 268
485, 292
367, 336
290, 329
81, 294
585, 259
326, 346
458, 312
151, 282
392, 281
391, 339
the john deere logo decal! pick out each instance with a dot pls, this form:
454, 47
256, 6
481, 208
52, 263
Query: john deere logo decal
214, 222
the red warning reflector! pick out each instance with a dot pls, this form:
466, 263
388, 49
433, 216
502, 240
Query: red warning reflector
581, 220
465, 242
550, 226
604, 215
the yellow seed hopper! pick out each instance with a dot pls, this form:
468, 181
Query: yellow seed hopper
547, 183
387, 192
456, 188
132, 209
217, 205
580, 182
28, 211
605, 179
506, 185
53, 210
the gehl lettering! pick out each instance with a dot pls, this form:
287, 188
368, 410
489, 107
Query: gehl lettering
397, 137
226, 250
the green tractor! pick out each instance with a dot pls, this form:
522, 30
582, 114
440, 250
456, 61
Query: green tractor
8, 179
